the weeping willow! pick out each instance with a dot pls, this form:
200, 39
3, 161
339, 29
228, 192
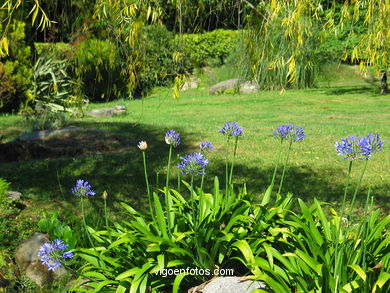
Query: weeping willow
281, 38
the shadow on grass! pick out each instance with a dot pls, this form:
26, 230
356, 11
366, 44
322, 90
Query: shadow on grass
372, 90
121, 174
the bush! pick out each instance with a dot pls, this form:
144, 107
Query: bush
15, 71
43, 118
96, 67
209, 47
157, 66
55, 51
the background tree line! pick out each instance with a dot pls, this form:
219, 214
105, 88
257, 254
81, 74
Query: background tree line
104, 49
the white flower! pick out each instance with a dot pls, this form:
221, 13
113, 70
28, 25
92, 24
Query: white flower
142, 145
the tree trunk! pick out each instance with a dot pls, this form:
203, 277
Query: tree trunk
384, 83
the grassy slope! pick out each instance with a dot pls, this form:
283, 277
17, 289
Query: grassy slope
327, 114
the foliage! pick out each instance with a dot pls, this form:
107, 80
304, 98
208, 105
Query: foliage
290, 250
13, 227
57, 230
15, 71
51, 84
134, 253
305, 258
56, 51
43, 118
96, 70
203, 48
157, 65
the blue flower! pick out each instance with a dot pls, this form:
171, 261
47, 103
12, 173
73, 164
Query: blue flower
348, 147
354, 147
289, 132
172, 138
371, 143
82, 188
231, 129
206, 147
193, 164
52, 254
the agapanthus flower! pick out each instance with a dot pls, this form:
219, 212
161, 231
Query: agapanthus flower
289, 132
348, 147
369, 144
172, 138
231, 129
206, 147
82, 188
53, 253
355, 147
193, 164
142, 145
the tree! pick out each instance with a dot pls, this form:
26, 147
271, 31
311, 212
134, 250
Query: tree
280, 32
295, 21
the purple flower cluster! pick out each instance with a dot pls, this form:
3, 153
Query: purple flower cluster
289, 132
193, 164
172, 138
206, 147
231, 129
52, 254
353, 147
82, 188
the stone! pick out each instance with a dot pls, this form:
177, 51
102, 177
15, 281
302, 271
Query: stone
26, 257
248, 87
13, 195
232, 285
236, 85
227, 85
107, 112
45, 134
191, 83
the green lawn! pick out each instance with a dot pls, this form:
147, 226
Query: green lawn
327, 114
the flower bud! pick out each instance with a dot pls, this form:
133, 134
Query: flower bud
142, 145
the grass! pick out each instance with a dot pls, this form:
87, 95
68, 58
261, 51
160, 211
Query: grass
326, 113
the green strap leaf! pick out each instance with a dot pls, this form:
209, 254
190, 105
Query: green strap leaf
359, 271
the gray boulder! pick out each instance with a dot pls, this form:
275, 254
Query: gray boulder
13, 195
236, 85
45, 134
26, 256
232, 285
227, 85
107, 112
248, 87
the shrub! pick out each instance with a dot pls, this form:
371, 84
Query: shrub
15, 71
55, 51
157, 66
96, 67
205, 48
51, 84
43, 118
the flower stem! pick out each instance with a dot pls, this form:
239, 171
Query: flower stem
86, 229
357, 187
337, 256
227, 166
193, 202
277, 163
147, 185
105, 212
234, 156
284, 168
202, 181
178, 178
167, 193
